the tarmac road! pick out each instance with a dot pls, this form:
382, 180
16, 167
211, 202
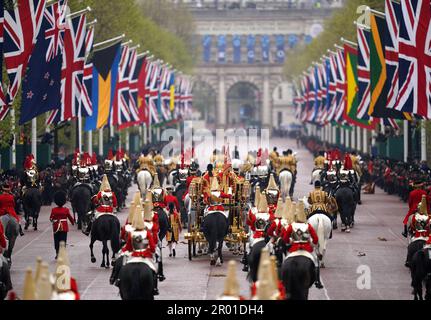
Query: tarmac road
348, 255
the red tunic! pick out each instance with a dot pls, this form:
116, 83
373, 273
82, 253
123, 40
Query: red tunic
275, 228
300, 246
2, 237
171, 198
188, 182
415, 197
418, 234
97, 198
59, 217
251, 220
148, 253
7, 205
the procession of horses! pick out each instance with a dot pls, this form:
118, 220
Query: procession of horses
246, 206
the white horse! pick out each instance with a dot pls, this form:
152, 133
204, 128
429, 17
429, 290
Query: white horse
144, 179
285, 178
315, 175
323, 226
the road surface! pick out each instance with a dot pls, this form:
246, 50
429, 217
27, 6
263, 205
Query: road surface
349, 256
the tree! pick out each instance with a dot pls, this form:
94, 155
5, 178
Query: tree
339, 25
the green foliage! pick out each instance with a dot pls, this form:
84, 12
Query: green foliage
127, 16
339, 25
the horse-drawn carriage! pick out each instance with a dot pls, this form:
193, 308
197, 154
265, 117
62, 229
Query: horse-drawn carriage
234, 207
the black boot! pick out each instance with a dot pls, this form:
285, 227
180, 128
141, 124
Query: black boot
155, 284
317, 283
21, 233
404, 233
161, 276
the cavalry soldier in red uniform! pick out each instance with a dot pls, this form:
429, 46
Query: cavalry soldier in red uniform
105, 200
132, 210
59, 217
302, 235
272, 193
415, 198
7, 204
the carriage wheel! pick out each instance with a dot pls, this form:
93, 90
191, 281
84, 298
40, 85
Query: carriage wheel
190, 249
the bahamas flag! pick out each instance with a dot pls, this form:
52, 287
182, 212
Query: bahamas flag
105, 73
352, 96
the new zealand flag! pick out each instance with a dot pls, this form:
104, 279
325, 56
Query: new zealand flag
41, 85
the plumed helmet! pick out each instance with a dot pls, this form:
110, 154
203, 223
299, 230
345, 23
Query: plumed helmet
148, 210
43, 285
423, 207
138, 219
290, 216
263, 204
157, 190
231, 286
29, 292
280, 206
257, 196
300, 216
272, 191
105, 186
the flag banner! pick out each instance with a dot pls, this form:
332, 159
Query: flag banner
236, 43
341, 86
86, 106
379, 85
251, 41
352, 99
206, 43
364, 93
154, 80
310, 93
137, 88
393, 13
221, 44
165, 94
279, 40
292, 40
265, 43
331, 74
414, 83
2, 95
172, 92
73, 67
42, 81
21, 29
317, 94
105, 71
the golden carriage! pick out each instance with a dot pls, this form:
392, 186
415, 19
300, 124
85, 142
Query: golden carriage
237, 236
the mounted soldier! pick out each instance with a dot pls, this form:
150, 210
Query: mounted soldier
31, 194
319, 166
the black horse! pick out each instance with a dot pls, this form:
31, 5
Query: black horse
253, 260
346, 205
136, 282
421, 273
5, 281
105, 228
81, 201
113, 182
11, 231
298, 274
32, 201
412, 248
215, 227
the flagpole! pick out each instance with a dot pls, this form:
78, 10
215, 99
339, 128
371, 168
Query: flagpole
423, 141
365, 143
97, 45
127, 146
406, 140
12, 115
77, 13
90, 142
101, 142
34, 137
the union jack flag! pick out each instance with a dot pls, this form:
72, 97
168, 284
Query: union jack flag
153, 95
73, 68
414, 83
331, 70
165, 93
56, 18
341, 86
393, 13
120, 112
21, 26
86, 104
364, 86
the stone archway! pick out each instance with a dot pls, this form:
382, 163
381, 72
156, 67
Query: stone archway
243, 104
